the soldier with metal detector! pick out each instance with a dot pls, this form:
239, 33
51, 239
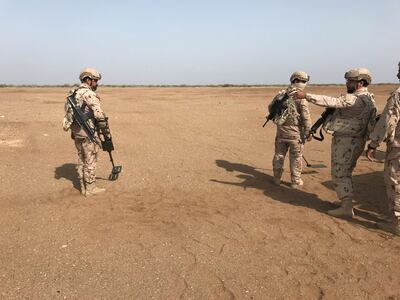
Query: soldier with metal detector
89, 129
293, 129
350, 122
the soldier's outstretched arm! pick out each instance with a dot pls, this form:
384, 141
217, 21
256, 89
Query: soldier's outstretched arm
334, 102
305, 116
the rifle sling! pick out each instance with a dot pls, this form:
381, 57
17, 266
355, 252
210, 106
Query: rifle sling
321, 137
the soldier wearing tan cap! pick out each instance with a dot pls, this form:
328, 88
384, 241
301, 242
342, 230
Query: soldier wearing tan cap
293, 127
89, 102
350, 124
387, 129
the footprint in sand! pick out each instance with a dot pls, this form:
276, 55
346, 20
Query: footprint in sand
12, 143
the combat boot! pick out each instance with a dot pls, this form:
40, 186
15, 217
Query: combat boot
92, 190
344, 211
295, 185
392, 227
277, 181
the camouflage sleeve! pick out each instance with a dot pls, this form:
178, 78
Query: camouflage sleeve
335, 102
93, 102
305, 116
385, 127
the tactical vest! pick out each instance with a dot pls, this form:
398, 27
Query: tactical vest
342, 123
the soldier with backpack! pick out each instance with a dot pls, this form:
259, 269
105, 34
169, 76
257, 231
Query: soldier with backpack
293, 123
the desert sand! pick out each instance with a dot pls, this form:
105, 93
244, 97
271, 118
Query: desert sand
193, 215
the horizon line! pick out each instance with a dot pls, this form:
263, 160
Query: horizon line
183, 85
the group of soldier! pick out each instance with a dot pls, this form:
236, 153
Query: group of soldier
353, 122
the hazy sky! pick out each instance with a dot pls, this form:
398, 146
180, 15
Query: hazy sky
197, 42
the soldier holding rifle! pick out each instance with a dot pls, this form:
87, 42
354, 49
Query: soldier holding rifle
350, 123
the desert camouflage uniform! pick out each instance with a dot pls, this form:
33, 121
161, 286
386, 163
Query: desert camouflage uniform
87, 150
350, 123
387, 130
290, 136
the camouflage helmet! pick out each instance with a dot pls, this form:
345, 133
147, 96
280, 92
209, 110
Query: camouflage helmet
89, 72
359, 74
300, 75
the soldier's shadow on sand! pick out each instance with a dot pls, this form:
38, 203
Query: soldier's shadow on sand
68, 171
252, 178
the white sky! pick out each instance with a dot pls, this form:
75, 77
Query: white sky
197, 42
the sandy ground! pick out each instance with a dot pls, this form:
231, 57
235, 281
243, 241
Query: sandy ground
194, 214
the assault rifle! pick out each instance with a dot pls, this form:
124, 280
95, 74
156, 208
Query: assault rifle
277, 108
81, 118
328, 111
104, 141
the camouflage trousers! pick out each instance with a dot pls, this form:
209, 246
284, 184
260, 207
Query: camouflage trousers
345, 152
87, 159
392, 183
295, 158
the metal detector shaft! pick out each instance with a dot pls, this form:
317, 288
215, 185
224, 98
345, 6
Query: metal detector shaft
111, 159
